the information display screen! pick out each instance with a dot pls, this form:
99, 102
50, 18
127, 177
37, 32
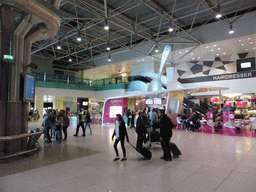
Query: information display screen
29, 87
149, 102
114, 110
157, 101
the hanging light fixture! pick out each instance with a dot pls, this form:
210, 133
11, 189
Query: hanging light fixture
106, 27
58, 47
108, 46
231, 31
70, 59
171, 28
109, 58
218, 12
79, 38
156, 50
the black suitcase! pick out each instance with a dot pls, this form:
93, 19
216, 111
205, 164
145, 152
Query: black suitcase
155, 136
144, 152
174, 150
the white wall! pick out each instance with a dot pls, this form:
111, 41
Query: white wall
65, 92
109, 93
235, 86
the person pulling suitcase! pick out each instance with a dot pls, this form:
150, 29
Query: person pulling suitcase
120, 132
166, 126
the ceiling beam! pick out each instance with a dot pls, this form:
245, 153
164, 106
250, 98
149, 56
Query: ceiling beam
163, 14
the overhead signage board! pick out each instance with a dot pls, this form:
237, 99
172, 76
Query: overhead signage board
229, 76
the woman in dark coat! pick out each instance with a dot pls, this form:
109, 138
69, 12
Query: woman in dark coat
120, 133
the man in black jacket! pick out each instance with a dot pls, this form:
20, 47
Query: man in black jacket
140, 130
165, 135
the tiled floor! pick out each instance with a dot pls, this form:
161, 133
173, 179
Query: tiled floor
209, 163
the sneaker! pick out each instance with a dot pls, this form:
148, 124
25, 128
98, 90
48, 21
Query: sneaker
116, 159
124, 159
75, 135
83, 135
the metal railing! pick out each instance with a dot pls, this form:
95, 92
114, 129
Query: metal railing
45, 77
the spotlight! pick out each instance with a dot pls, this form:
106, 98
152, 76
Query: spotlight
231, 31
106, 27
170, 27
79, 39
58, 47
156, 50
109, 58
108, 46
69, 59
218, 15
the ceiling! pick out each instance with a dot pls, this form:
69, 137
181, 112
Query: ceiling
205, 52
130, 22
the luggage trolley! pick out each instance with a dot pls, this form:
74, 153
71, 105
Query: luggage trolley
152, 136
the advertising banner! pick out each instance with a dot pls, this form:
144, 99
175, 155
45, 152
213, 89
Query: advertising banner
229, 121
209, 118
113, 107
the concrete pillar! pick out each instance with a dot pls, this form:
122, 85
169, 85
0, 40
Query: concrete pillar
39, 104
58, 103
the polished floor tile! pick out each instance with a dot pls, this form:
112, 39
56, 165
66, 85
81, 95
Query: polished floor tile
208, 163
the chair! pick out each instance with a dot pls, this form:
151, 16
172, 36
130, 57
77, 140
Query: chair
178, 123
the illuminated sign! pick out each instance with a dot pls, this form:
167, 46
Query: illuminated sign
8, 57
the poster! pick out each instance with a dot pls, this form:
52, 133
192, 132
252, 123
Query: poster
114, 110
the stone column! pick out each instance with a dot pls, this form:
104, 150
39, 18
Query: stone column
39, 105
58, 103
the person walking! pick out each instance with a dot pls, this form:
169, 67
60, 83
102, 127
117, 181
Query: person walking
46, 124
66, 123
88, 121
140, 130
166, 126
81, 119
120, 132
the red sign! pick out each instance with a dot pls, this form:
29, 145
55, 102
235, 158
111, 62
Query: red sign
78, 103
241, 103
214, 99
227, 104
252, 100
96, 106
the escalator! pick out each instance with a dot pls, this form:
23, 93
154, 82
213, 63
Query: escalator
202, 109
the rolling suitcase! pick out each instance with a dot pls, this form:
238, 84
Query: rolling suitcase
174, 150
144, 152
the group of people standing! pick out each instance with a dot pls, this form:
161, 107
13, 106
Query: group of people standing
144, 121
56, 122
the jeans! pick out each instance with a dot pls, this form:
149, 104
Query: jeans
122, 145
89, 125
47, 134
